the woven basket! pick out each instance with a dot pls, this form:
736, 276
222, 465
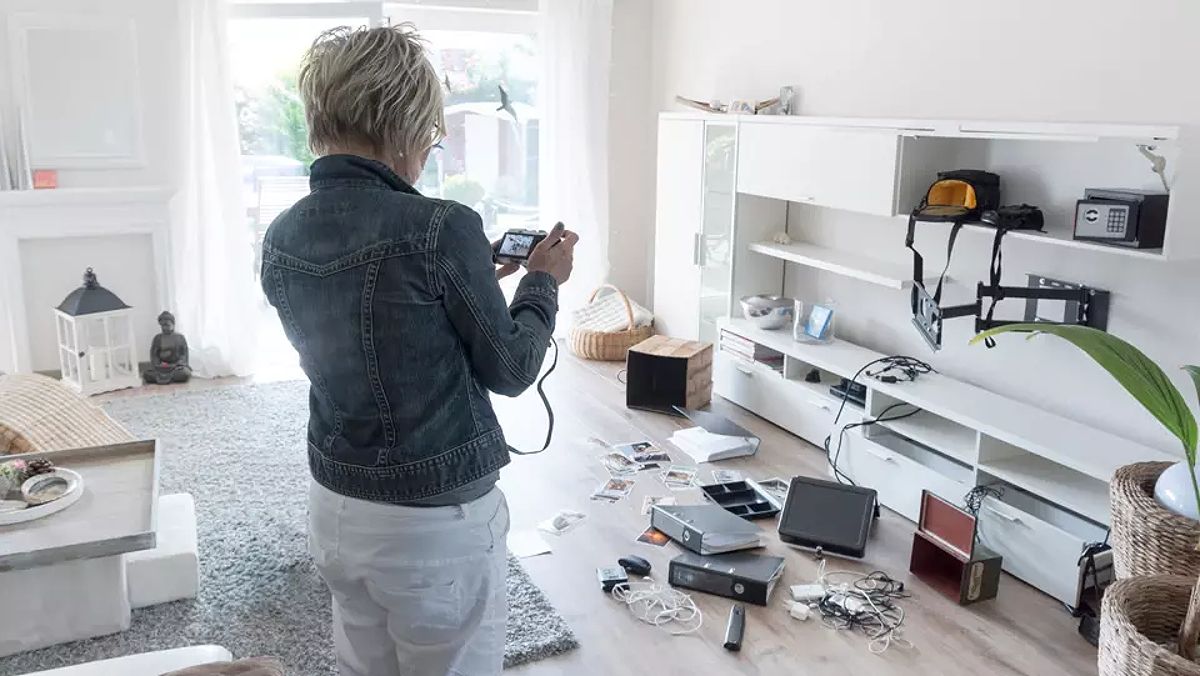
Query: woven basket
1148, 539
1140, 626
608, 345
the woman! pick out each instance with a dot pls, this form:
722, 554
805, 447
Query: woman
392, 301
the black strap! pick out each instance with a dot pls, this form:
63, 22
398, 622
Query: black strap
994, 281
546, 402
919, 262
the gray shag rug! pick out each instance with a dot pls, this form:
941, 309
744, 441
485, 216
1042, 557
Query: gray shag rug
259, 592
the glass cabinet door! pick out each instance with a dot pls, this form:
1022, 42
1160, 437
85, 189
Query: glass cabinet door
714, 245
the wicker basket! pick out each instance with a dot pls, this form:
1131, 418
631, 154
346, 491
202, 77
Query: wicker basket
1148, 539
41, 414
1140, 626
608, 345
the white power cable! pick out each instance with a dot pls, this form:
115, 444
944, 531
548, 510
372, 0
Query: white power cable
660, 606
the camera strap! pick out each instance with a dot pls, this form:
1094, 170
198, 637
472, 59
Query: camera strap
545, 402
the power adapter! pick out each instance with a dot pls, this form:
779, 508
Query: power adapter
808, 593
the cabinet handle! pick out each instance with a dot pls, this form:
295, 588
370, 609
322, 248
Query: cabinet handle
1003, 515
808, 199
879, 456
821, 405
696, 248
744, 370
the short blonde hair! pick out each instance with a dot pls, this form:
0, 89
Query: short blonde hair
372, 87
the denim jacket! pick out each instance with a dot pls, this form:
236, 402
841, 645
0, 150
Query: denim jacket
392, 302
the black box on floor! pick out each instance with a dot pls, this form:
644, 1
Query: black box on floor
663, 372
739, 575
945, 556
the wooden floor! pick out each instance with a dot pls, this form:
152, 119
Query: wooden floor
1021, 632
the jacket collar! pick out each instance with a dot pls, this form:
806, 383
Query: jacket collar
333, 171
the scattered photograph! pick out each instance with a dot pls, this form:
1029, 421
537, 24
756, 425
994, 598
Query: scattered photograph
775, 486
725, 476
650, 501
620, 465
653, 536
679, 477
560, 523
614, 489
642, 451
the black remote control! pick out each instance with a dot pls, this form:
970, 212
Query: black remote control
736, 627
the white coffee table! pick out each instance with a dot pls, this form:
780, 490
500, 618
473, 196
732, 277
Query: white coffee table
62, 577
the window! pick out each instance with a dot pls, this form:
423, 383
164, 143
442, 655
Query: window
489, 160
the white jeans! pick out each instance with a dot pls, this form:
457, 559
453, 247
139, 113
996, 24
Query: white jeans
417, 591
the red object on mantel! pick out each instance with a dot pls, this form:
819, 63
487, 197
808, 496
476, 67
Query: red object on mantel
45, 179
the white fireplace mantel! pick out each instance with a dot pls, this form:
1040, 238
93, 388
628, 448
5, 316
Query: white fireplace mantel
67, 213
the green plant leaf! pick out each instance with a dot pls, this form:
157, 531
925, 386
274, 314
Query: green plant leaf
1140, 376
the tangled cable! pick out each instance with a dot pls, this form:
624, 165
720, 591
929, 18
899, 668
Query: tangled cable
867, 603
660, 606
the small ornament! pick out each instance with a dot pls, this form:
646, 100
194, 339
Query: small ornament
12, 474
38, 466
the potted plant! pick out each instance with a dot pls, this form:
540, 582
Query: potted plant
1160, 546
1140, 376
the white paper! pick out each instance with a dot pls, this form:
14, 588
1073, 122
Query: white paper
526, 543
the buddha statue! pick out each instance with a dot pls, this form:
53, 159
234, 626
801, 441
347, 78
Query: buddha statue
168, 355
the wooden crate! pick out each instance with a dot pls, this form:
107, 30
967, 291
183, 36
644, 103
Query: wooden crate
662, 372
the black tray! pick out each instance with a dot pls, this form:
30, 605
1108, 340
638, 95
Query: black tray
741, 498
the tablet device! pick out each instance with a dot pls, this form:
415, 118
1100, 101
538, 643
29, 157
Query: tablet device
826, 514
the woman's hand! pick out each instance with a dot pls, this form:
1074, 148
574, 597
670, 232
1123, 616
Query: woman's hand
507, 269
555, 254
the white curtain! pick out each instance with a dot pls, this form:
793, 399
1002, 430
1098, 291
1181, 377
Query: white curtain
212, 279
576, 45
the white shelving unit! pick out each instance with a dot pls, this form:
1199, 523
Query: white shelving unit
725, 186
1055, 471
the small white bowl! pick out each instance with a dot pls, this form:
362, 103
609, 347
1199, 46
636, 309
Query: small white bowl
768, 312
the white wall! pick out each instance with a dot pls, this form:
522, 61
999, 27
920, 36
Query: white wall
43, 242
1068, 60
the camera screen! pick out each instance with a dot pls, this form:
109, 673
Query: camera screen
517, 246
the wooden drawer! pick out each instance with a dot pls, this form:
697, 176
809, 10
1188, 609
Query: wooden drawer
768, 394
1040, 542
852, 169
899, 470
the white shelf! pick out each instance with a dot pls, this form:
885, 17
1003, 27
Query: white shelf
891, 275
1055, 239
1062, 441
942, 435
1079, 493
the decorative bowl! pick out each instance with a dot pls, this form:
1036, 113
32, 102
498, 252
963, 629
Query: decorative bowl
768, 312
48, 487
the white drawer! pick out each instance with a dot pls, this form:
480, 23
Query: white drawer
789, 404
1040, 542
900, 470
